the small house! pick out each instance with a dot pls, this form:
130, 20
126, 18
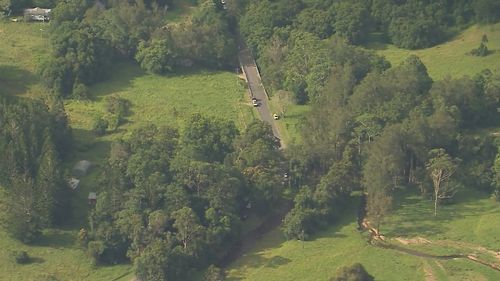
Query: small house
37, 14
73, 183
92, 198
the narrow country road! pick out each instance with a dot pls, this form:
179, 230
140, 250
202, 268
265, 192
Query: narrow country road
257, 89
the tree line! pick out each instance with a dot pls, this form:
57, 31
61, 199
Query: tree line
86, 39
292, 39
34, 139
379, 129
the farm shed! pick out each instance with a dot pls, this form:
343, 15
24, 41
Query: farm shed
92, 198
37, 14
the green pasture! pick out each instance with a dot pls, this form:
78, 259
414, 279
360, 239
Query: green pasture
22, 47
468, 226
289, 124
451, 58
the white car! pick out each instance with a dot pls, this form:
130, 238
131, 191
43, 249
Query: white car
275, 116
254, 102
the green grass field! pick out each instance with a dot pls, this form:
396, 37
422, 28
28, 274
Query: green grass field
463, 227
57, 256
22, 47
452, 58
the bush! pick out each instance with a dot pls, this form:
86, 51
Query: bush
214, 273
95, 249
481, 51
117, 105
82, 238
100, 126
118, 108
355, 272
22, 257
80, 92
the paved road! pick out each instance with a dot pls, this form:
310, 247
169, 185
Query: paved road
257, 89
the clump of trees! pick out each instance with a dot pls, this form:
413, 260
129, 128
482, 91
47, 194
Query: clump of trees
380, 129
408, 24
86, 38
297, 42
482, 50
34, 138
173, 202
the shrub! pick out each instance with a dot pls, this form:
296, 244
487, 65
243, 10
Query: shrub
100, 126
481, 51
22, 257
117, 105
95, 250
355, 272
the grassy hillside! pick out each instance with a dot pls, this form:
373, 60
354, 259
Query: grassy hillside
465, 227
452, 57
22, 47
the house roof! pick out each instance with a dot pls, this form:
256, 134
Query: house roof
92, 196
38, 11
73, 183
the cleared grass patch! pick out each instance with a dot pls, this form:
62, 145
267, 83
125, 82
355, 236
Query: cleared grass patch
56, 256
22, 47
289, 124
451, 58
163, 100
276, 259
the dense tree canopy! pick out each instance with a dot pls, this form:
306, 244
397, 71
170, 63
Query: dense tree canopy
175, 202
33, 140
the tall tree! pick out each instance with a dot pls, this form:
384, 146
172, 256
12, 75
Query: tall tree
381, 173
496, 167
441, 167
189, 230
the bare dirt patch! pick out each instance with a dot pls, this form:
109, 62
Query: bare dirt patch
409, 241
429, 276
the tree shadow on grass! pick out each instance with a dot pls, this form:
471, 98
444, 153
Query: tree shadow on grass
121, 77
92, 148
57, 238
277, 261
14, 80
36, 260
124, 72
